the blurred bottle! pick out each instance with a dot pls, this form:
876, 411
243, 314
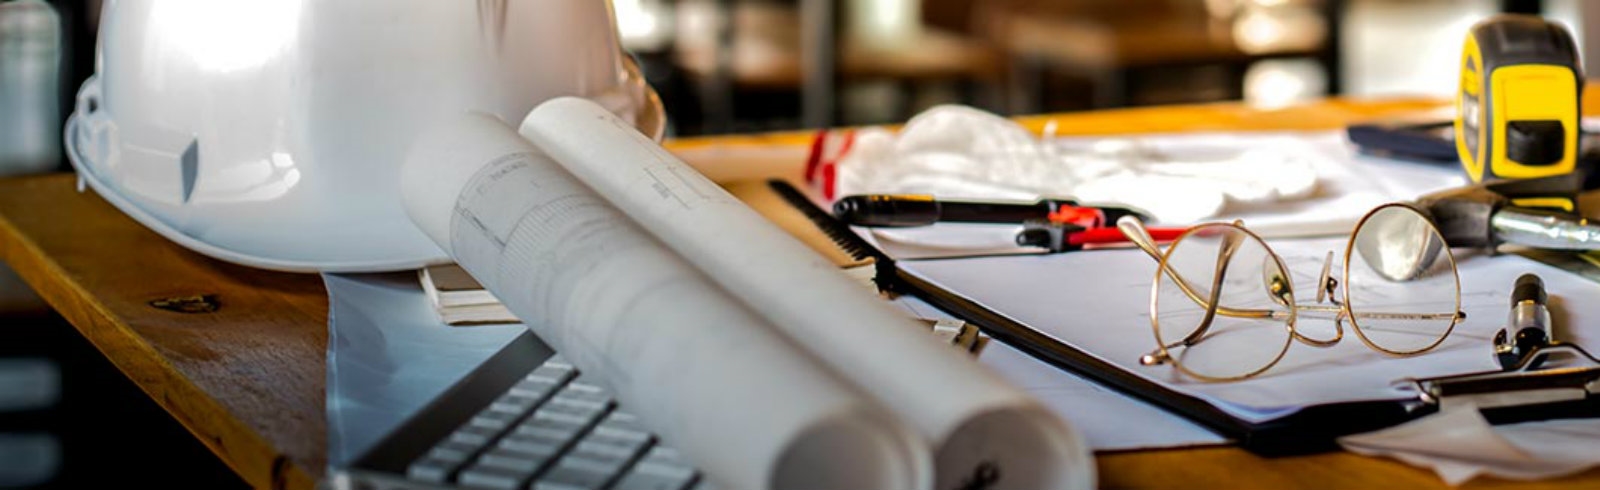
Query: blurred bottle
30, 87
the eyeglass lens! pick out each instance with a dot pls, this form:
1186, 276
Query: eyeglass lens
1401, 282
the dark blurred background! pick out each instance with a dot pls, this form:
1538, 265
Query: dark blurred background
727, 66
754, 65
69, 418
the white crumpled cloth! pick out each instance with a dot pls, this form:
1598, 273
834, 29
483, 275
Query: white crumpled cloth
1460, 445
960, 152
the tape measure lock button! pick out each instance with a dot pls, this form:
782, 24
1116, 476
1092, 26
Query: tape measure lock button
1540, 142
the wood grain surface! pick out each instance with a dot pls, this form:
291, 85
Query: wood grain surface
248, 379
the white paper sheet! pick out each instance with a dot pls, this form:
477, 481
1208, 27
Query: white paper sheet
623, 307
1099, 302
1110, 420
979, 425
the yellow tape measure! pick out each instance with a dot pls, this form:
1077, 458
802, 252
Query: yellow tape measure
1517, 109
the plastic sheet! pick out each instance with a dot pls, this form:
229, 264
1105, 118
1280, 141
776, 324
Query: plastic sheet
389, 355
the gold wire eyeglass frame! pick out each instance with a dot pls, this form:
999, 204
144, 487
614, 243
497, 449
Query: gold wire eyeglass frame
1281, 291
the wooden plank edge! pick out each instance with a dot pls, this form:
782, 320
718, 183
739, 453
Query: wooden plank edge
252, 457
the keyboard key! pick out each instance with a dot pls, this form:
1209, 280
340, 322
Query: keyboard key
655, 479
496, 421
563, 419
513, 459
513, 404
573, 472
474, 435
480, 476
558, 432
616, 435
582, 399
578, 390
566, 414
623, 420
534, 448
453, 451
552, 374
429, 469
599, 464
585, 384
600, 456
600, 449
581, 410
535, 389
514, 398
558, 360
561, 428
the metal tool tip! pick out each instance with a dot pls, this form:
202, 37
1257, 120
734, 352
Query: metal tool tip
1529, 287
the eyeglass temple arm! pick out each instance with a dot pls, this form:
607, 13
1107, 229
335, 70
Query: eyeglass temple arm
1134, 229
1230, 244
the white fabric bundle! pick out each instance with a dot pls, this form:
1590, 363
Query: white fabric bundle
961, 152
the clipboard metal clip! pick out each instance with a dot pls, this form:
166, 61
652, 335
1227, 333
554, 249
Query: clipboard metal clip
1535, 369
1523, 384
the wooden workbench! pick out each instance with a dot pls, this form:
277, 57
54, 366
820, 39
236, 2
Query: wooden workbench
248, 379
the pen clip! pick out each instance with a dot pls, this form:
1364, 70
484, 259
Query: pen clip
1084, 216
1066, 237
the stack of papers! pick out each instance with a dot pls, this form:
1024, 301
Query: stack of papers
459, 299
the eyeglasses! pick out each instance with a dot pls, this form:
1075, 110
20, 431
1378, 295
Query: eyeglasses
1223, 308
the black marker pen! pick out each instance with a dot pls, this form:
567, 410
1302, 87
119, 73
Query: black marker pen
922, 210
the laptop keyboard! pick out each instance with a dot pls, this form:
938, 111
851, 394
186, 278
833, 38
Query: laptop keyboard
554, 431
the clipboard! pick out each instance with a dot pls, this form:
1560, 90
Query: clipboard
1312, 429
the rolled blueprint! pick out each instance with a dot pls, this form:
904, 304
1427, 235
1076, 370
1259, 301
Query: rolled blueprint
985, 432
713, 378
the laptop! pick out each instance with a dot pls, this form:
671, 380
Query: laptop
523, 420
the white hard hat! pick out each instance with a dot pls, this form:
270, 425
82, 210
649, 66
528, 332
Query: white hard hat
270, 132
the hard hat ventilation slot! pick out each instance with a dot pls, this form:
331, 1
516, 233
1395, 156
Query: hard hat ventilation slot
189, 165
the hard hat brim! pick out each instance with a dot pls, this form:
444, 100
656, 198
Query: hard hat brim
404, 247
